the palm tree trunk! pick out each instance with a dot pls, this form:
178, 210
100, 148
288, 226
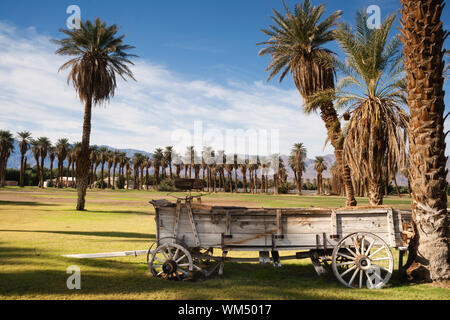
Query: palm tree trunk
423, 38
375, 192
22, 170
235, 181
329, 116
83, 159
51, 171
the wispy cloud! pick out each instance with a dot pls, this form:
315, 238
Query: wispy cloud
143, 114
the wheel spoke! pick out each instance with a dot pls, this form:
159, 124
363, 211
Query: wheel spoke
362, 244
353, 277
345, 256
345, 263
197, 267
371, 286
184, 265
176, 254
184, 256
348, 270
381, 248
164, 255
380, 259
356, 246
159, 260
360, 279
353, 254
370, 247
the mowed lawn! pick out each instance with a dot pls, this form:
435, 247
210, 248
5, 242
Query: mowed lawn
38, 226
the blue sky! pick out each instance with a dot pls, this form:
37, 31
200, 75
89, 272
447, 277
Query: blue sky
198, 61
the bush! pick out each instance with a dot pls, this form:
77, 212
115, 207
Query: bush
101, 184
285, 187
120, 183
167, 185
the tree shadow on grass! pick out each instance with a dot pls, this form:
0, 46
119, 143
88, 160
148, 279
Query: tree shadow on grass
131, 279
110, 234
26, 203
122, 212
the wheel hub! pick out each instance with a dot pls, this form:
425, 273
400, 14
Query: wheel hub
363, 262
169, 267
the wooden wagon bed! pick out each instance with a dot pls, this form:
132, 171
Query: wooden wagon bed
250, 229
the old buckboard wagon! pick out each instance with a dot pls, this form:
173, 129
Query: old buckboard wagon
354, 243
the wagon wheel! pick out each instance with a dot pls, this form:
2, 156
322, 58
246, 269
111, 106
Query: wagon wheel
171, 261
362, 259
202, 256
205, 262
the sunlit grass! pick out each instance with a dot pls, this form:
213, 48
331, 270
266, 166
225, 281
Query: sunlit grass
38, 226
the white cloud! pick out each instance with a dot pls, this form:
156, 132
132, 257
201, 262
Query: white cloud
143, 114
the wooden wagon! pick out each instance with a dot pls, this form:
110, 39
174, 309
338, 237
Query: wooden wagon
355, 244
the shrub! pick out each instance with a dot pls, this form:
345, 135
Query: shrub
285, 187
167, 185
120, 183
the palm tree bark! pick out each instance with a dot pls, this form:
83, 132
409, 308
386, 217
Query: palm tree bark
22, 170
83, 159
329, 116
423, 37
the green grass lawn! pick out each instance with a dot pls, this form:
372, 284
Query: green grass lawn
38, 226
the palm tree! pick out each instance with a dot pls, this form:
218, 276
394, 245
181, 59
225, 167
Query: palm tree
103, 157
157, 156
51, 156
44, 144
93, 157
423, 36
115, 162
74, 156
99, 55
36, 151
109, 161
296, 46
297, 163
320, 166
372, 90
168, 159
128, 171
24, 144
6, 147
62, 146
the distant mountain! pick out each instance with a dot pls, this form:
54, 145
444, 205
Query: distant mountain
310, 173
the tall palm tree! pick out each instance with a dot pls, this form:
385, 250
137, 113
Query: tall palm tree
168, 158
51, 156
44, 144
423, 36
115, 162
93, 157
24, 144
36, 151
297, 162
99, 55
109, 161
373, 91
320, 166
62, 146
157, 157
6, 147
74, 155
296, 46
103, 157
